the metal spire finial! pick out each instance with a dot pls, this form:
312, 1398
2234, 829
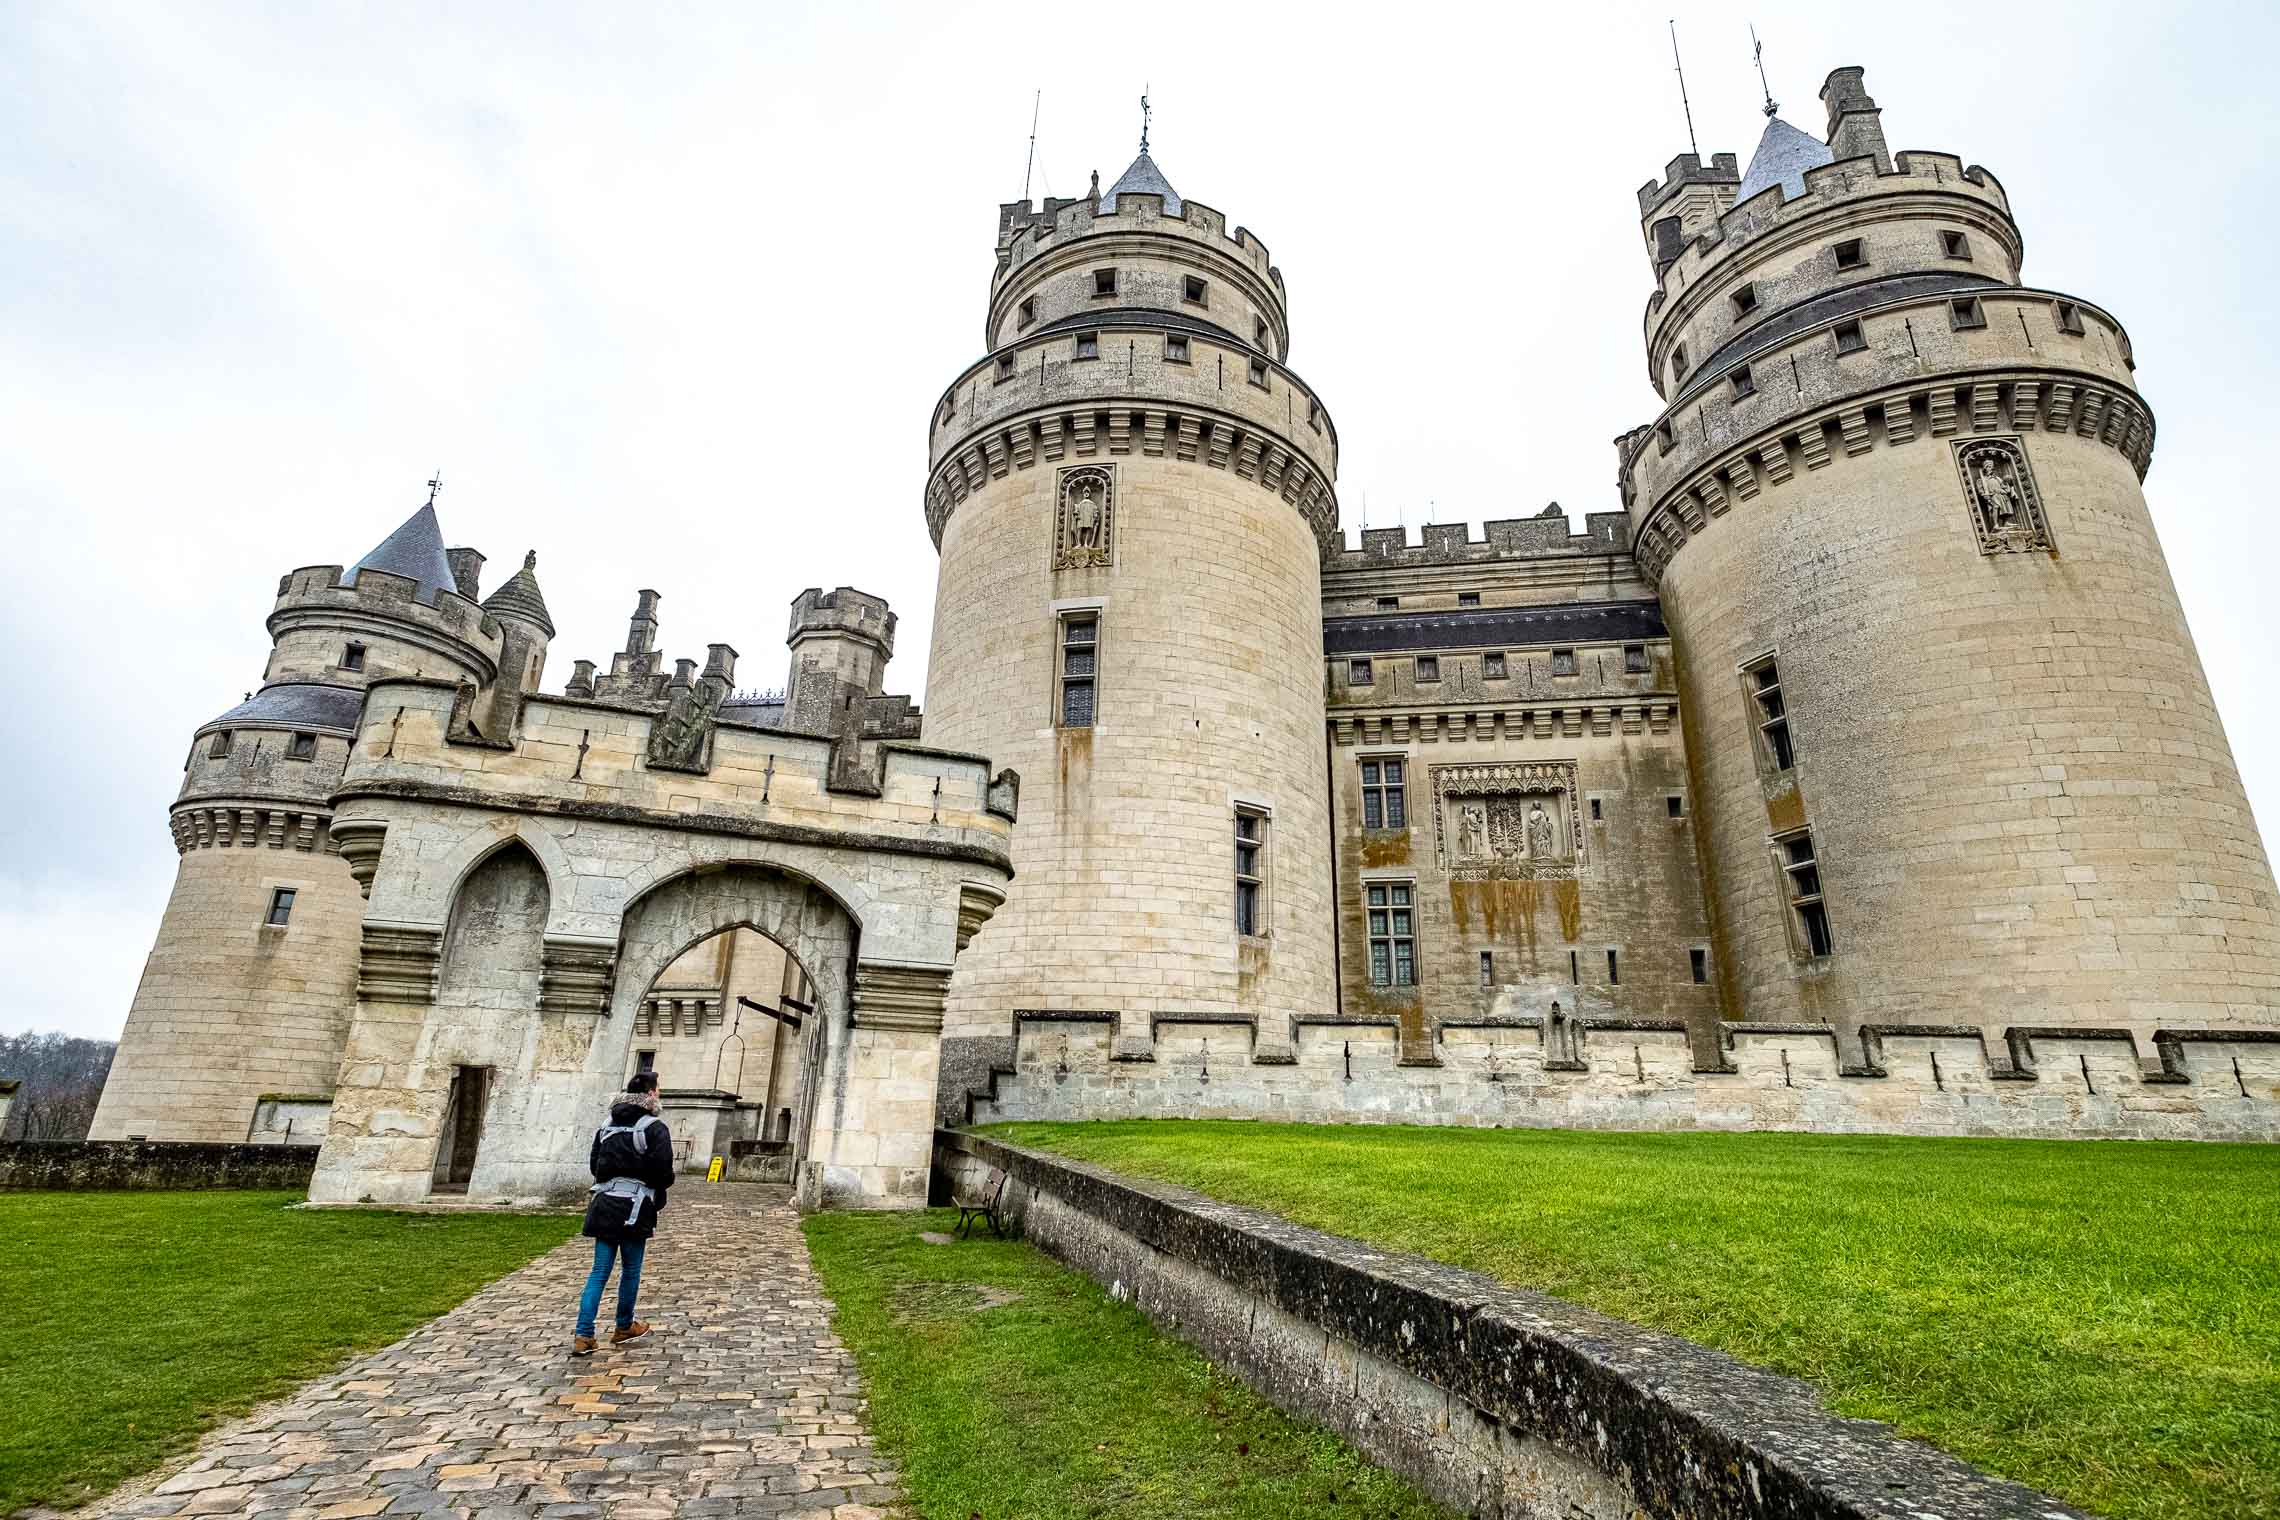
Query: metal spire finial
1035, 106
1144, 113
434, 486
1757, 52
1688, 106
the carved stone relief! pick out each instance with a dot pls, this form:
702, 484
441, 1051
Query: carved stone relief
1509, 822
1084, 518
1999, 488
681, 738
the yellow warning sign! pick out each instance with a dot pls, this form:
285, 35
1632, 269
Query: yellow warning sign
712, 1173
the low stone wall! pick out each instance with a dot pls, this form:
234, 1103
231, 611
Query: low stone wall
2084, 1082
150, 1165
1497, 1400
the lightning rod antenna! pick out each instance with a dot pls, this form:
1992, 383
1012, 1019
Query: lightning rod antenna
1757, 52
1031, 162
1144, 118
1684, 104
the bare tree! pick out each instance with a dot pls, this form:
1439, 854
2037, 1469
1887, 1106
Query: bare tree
63, 1080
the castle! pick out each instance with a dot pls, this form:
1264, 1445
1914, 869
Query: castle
1858, 772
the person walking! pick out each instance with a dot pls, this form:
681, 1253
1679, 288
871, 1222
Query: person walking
632, 1163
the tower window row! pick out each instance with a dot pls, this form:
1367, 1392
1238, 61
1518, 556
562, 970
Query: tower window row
1389, 910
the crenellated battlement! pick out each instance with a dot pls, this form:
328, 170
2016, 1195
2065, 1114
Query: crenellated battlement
1543, 536
388, 605
1687, 170
1026, 234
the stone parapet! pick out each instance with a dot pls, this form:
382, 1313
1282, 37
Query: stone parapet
103, 1166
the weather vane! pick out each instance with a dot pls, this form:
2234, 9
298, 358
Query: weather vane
1757, 51
1144, 119
434, 486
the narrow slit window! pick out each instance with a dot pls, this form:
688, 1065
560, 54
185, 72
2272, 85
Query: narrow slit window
1080, 655
1488, 968
1666, 438
1597, 813
1392, 934
1385, 800
1698, 963
1776, 750
1678, 365
1259, 331
1250, 871
1614, 970
280, 907
1802, 869
1850, 339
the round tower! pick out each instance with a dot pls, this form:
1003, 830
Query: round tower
248, 991
1955, 758
1131, 493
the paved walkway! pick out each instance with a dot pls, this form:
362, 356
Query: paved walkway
742, 1402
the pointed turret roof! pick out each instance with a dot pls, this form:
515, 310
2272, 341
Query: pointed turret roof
1782, 157
1143, 178
520, 597
415, 552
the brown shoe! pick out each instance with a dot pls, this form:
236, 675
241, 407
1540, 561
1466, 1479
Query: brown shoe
581, 1345
632, 1332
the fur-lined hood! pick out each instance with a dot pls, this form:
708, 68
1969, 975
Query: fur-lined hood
645, 1102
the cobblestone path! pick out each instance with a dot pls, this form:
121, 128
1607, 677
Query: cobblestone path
741, 1402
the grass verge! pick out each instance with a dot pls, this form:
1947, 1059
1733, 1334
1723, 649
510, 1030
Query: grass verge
2096, 1319
1003, 1384
136, 1321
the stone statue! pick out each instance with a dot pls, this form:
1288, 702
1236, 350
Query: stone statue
1998, 497
1540, 845
1472, 830
1084, 520
1085, 523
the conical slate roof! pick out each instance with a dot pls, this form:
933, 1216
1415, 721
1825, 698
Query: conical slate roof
1143, 178
520, 597
1782, 157
415, 552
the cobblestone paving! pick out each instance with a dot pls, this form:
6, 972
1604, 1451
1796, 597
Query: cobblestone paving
741, 1402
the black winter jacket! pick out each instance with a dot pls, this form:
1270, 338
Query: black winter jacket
606, 1215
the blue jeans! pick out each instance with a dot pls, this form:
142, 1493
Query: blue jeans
629, 1283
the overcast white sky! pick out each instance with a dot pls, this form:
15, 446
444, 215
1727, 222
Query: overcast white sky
668, 292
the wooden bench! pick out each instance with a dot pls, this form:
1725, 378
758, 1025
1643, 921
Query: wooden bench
982, 1205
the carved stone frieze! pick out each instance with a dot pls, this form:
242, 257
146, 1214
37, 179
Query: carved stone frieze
899, 997
2000, 493
1507, 822
576, 975
1084, 517
681, 738
397, 963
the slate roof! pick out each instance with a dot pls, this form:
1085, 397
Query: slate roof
415, 552
753, 713
1782, 157
299, 704
1143, 178
1136, 316
520, 597
1827, 307
1495, 628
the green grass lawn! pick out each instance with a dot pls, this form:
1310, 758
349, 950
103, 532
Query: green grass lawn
1002, 1384
2098, 1319
135, 1321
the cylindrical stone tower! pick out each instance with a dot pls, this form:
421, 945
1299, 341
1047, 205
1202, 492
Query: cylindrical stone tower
1955, 758
249, 987
1131, 494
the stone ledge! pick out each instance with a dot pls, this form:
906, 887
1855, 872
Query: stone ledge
149, 1165
1498, 1399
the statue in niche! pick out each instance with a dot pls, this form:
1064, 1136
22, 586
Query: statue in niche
1540, 843
2006, 508
1084, 527
1472, 830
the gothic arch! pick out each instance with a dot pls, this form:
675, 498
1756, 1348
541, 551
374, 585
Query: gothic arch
512, 828
705, 853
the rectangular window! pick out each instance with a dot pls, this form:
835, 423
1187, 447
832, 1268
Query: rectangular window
1385, 795
1386, 603
1250, 871
1775, 749
1675, 805
645, 1061
280, 907
1849, 254
218, 748
1488, 968
1259, 331
1575, 969
1677, 366
1596, 811
2069, 318
1104, 282
303, 747
1563, 662
1088, 345
1176, 349
1964, 311
1955, 245
352, 658
1393, 935
1080, 653
1745, 300
1468, 599
1614, 970
1803, 872
1428, 667
1004, 368
1492, 665
1850, 339
1357, 672
1665, 438
1744, 384
1259, 373
1028, 311
1635, 659
1193, 289
1698, 962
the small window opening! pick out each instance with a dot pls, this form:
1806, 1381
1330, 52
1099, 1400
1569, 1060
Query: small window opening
1678, 364
1104, 282
1386, 602
280, 907
1675, 805
1850, 339
1357, 672
1080, 651
1192, 288
1492, 665
1488, 968
1088, 345
1614, 970
352, 658
1575, 969
2069, 318
1635, 659
1176, 348
1665, 437
1259, 331
303, 747
218, 748
1385, 799
645, 1061
1955, 245
1849, 254
1468, 599
1597, 814
1743, 382
1745, 300
1563, 662
1428, 667
1259, 373
1803, 871
1392, 934
1698, 962
1775, 747
1028, 311
1250, 871
1005, 367
1964, 311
